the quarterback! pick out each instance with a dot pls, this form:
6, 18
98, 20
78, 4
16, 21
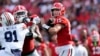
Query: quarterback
62, 28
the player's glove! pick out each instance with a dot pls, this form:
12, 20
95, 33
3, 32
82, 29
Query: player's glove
25, 20
35, 35
36, 20
32, 34
29, 34
45, 26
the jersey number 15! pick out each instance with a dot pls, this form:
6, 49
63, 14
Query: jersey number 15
11, 36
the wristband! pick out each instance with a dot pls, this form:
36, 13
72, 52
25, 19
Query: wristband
45, 26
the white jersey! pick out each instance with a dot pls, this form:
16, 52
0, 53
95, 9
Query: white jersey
80, 51
12, 37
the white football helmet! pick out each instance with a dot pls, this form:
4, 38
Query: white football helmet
7, 19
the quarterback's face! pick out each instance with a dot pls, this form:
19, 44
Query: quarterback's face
55, 12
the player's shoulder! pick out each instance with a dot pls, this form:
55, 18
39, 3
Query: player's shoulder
21, 25
65, 19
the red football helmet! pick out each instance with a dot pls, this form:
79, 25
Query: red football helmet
59, 6
95, 35
20, 11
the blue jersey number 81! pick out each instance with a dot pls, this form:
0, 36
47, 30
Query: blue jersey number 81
11, 36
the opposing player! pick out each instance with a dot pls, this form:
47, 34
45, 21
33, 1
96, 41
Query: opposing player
11, 36
20, 13
62, 28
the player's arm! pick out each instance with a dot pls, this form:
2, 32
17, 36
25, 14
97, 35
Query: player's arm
50, 52
38, 32
46, 51
55, 29
39, 36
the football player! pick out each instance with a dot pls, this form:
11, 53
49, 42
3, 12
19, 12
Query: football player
19, 11
62, 28
94, 43
20, 14
29, 47
11, 36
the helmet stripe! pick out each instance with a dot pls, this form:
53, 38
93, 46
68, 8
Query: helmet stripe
8, 18
10, 22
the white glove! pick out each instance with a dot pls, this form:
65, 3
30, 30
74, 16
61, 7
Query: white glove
35, 35
26, 20
45, 26
36, 20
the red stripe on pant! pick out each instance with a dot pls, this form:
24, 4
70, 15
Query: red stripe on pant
69, 52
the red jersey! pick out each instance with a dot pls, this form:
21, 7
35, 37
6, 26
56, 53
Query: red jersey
52, 47
63, 36
94, 50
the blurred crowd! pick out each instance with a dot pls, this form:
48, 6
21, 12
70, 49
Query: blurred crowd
80, 12
84, 15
